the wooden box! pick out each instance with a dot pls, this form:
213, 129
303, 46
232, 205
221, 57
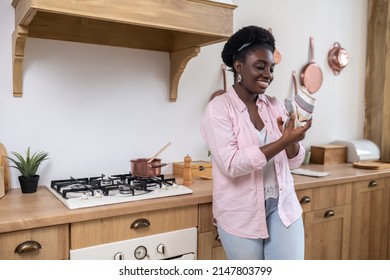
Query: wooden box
328, 154
198, 168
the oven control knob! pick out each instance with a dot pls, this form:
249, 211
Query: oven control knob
161, 249
140, 252
119, 256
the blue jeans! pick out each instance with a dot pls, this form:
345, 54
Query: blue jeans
283, 243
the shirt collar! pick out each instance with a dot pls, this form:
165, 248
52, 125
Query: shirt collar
262, 97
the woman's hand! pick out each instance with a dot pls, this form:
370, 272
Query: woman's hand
290, 133
288, 128
289, 139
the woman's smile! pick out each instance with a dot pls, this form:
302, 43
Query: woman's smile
263, 84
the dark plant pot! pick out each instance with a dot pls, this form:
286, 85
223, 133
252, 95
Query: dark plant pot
29, 184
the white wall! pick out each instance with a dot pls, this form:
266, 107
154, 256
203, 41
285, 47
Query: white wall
93, 108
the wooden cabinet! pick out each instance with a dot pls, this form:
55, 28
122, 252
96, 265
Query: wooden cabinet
209, 244
342, 221
95, 232
370, 219
346, 216
47, 243
327, 212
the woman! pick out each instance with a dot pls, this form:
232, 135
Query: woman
255, 206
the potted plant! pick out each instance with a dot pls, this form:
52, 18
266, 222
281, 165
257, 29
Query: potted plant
28, 167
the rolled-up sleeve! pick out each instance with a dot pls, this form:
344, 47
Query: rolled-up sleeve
296, 161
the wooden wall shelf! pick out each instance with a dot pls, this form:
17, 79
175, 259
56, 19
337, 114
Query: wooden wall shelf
179, 27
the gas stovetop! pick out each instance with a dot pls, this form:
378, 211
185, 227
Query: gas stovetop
86, 192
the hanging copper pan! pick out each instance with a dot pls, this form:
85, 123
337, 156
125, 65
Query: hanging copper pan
338, 58
277, 53
311, 74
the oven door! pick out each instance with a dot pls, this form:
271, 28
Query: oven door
173, 245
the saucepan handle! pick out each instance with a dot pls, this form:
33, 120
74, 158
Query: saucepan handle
157, 165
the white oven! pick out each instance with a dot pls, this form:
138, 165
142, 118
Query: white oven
180, 244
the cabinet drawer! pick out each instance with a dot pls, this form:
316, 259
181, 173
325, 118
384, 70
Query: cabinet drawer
95, 232
48, 243
324, 197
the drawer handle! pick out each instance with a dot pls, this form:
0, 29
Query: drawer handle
27, 247
201, 168
372, 184
305, 199
140, 223
329, 213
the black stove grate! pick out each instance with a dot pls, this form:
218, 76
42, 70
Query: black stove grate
125, 183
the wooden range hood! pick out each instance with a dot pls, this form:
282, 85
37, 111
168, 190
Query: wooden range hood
179, 27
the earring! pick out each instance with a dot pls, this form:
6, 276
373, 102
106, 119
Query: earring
239, 78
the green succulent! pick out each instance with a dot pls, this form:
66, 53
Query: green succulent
28, 166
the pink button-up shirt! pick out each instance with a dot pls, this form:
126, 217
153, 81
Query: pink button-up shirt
238, 193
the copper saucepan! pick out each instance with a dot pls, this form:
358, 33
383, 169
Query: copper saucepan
142, 168
311, 74
338, 58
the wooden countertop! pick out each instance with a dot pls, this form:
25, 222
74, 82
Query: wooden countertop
339, 174
20, 211
25, 211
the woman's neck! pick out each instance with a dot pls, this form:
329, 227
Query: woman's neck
245, 96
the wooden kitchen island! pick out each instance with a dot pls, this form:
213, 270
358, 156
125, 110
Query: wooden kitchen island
346, 216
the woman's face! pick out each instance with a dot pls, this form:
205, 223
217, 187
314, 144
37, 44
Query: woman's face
257, 70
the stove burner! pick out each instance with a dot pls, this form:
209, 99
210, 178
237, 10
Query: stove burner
77, 187
126, 190
125, 184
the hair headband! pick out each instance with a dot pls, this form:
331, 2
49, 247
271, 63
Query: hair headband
240, 49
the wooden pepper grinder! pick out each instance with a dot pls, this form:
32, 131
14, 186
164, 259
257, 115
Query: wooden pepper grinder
187, 173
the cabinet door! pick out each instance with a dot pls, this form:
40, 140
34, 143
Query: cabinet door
370, 216
210, 246
327, 233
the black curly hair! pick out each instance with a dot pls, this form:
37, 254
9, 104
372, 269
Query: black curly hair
243, 41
